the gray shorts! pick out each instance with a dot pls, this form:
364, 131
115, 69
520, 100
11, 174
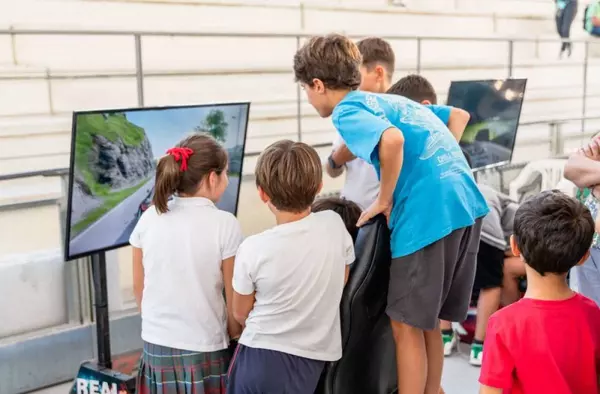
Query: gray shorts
435, 282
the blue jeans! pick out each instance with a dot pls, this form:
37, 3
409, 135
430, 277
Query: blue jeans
585, 278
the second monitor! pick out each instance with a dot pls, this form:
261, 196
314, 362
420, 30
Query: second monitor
495, 109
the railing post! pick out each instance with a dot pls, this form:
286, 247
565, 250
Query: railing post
13, 46
418, 55
510, 58
584, 92
299, 100
139, 69
557, 142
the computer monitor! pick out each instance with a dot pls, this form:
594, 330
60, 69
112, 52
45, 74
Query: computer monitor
495, 109
113, 160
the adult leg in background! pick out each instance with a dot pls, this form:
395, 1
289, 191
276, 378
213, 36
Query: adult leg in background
568, 16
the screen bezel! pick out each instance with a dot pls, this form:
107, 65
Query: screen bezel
67, 240
491, 81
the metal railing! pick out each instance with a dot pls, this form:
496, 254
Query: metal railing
140, 73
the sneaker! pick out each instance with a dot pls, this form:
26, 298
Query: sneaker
476, 354
450, 341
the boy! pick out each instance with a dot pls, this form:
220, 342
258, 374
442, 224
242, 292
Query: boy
288, 280
377, 69
549, 342
431, 200
349, 212
495, 227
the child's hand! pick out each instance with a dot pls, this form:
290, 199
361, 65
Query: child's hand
375, 209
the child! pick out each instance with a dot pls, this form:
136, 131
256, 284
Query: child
179, 281
431, 199
549, 342
349, 212
377, 68
288, 280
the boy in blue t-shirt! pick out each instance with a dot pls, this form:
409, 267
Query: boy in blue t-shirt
427, 191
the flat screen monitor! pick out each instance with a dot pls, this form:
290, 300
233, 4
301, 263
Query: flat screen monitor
495, 109
113, 160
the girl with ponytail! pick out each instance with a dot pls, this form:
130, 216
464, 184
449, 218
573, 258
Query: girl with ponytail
183, 254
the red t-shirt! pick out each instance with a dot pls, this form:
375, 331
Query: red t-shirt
545, 347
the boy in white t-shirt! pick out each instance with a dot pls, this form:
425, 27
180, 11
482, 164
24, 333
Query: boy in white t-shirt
377, 69
288, 280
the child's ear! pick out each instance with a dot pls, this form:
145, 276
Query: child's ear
318, 86
262, 195
380, 71
513, 246
320, 188
584, 258
426, 102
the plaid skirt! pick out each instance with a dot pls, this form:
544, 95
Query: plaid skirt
164, 370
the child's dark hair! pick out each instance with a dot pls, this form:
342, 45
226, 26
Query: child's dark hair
173, 176
334, 59
553, 232
377, 51
414, 87
290, 173
348, 210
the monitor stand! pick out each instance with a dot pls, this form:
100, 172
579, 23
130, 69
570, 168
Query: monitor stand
98, 377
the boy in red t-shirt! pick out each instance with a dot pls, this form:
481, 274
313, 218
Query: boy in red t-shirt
549, 342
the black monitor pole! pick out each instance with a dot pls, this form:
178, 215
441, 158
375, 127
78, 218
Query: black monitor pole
101, 308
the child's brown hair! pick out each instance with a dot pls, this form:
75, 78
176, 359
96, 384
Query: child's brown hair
334, 59
377, 51
290, 174
349, 211
416, 88
185, 166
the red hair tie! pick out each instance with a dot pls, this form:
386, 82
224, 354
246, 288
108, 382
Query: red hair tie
181, 154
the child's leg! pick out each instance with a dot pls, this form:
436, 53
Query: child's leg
411, 358
449, 337
259, 371
488, 279
435, 360
513, 269
433, 279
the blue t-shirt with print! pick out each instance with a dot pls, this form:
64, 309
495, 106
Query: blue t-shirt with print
436, 193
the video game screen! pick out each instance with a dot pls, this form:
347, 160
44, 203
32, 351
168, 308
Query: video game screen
495, 109
113, 160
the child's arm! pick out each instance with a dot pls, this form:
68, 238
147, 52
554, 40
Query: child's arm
458, 122
138, 276
369, 136
489, 390
242, 306
234, 328
242, 282
582, 170
455, 119
391, 158
498, 365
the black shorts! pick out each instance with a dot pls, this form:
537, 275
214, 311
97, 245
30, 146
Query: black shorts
435, 282
490, 265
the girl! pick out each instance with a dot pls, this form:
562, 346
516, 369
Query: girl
183, 253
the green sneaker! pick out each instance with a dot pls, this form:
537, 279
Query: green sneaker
476, 354
450, 341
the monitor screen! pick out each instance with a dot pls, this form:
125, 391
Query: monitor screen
495, 108
113, 160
